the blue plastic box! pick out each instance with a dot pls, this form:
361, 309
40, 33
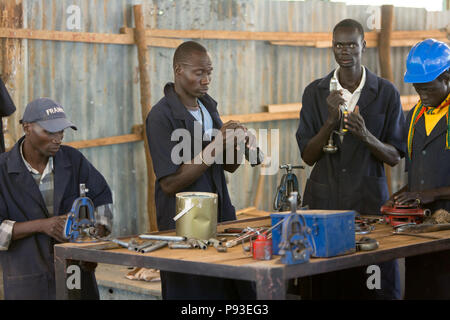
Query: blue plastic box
333, 231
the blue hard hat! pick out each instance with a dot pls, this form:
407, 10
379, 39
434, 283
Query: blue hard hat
426, 61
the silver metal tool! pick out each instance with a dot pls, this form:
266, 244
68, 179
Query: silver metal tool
331, 147
414, 235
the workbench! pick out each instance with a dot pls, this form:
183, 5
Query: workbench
269, 276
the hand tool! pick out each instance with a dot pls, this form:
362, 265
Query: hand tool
401, 214
414, 235
366, 244
80, 222
422, 228
294, 245
250, 233
288, 184
255, 157
331, 147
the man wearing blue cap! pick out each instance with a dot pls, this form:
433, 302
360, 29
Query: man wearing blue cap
39, 181
428, 161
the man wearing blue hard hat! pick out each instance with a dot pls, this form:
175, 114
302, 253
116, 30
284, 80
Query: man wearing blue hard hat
428, 161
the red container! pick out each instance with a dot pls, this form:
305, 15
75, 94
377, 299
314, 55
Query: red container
262, 248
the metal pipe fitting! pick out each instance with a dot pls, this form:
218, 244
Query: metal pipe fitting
214, 242
143, 246
162, 238
180, 246
193, 243
202, 244
154, 247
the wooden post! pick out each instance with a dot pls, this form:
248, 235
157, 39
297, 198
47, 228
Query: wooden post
384, 55
146, 105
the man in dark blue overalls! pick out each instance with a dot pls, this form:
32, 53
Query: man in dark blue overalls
186, 104
7, 108
353, 177
39, 181
428, 162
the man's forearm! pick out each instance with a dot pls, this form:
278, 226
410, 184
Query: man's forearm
26, 229
382, 151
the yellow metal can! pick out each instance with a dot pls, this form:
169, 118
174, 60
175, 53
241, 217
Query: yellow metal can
196, 215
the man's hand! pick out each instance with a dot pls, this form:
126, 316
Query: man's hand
228, 132
414, 198
334, 100
354, 122
54, 227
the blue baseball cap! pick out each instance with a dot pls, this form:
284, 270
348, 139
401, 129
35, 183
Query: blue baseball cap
48, 114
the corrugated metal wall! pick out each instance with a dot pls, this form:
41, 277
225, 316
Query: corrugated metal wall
98, 84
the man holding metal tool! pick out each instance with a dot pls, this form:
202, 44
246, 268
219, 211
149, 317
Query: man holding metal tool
428, 161
184, 106
39, 181
365, 113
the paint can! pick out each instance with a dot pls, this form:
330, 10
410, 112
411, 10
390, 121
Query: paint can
196, 215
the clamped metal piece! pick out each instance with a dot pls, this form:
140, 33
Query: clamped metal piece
295, 247
288, 184
80, 222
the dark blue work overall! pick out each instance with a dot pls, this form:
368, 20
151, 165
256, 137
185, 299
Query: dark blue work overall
428, 276
7, 108
28, 264
352, 178
166, 116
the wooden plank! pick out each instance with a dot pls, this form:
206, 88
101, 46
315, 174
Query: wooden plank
169, 38
261, 117
86, 37
235, 35
105, 141
144, 80
286, 107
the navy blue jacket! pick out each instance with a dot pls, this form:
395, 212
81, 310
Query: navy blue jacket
352, 178
166, 116
7, 108
430, 164
28, 269
428, 168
